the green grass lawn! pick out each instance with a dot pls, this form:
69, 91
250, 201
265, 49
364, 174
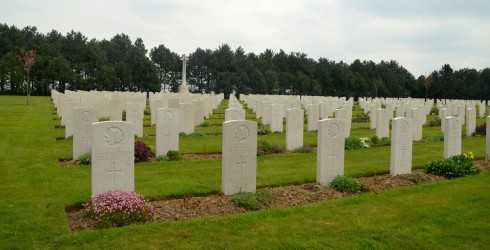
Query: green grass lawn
35, 189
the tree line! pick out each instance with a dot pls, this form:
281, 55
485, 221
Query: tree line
74, 62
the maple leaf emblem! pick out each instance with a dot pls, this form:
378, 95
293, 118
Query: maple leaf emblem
241, 133
333, 130
113, 136
86, 117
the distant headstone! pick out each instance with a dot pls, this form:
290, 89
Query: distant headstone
135, 114
341, 115
382, 123
276, 118
416, 124
266, 112
330, 156
470, 121
401, 146
154, 106
443, 113
452, 136
313, 117
167, 131
112, 156
186, 114
239, 163
236, 114
82, 130
115, 109
68, 116
294, 129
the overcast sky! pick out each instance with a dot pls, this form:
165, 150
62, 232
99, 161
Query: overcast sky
421, 35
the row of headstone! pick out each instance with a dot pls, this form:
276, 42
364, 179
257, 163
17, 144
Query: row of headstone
113, 151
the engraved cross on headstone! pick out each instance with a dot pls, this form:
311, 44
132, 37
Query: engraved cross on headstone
168, 135
241, 164
403, 149
114, 171
333, 156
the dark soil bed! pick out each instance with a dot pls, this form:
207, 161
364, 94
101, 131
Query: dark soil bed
286, 196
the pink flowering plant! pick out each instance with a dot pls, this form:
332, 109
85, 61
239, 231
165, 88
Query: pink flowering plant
118, 208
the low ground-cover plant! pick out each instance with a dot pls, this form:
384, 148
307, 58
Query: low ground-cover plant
118, 208
142, 153
434, 122
194, 134
453, 167
361, 117
263, 131
104, 118
264, 147
305, 149
346, 184
170, 156
253, 201
353, 143
84, 159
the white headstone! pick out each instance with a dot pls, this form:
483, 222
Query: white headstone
82, 130
294, 129
186, 114
443, 114
167, 130
154, 106
276, 118
135, 114
401, 146
234, 114
68, 116
341, 115
382, 123
416, 124
112, 156
470, 121
452, 136
115, 109
313, 117
239, 163
330, 156
266, 112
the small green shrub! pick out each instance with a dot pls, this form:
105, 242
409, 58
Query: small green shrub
104, 119
353, 143
434, 110
147, 112
377, 142
434, 122
453, 167
361, 117
264, 147
161, 158
253, 201
417, 178
346, 184
84, 159
182, 134
173, 156
263, 131
118, 208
